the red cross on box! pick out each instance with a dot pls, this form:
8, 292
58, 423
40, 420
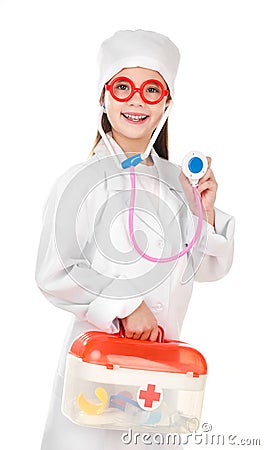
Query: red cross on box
147, 397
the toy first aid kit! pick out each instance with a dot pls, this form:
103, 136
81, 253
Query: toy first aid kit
118, 383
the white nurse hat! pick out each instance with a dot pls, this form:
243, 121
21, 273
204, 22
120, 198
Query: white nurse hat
138, 48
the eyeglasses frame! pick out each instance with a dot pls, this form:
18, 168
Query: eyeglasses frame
109, 87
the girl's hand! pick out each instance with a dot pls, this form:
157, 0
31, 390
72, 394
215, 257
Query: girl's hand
207, 188
141, 324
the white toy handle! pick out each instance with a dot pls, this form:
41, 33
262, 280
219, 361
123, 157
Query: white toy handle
194, 166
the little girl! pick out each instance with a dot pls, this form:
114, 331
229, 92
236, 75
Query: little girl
86, 261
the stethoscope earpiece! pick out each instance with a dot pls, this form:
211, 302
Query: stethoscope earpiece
194, 166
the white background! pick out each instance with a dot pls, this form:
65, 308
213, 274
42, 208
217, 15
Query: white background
48, 111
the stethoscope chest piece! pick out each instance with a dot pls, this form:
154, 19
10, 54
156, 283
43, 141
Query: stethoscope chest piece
194, 166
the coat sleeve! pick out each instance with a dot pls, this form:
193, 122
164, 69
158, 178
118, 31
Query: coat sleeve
66, 277
213, 255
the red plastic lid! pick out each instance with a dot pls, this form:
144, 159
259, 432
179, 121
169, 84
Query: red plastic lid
111, 349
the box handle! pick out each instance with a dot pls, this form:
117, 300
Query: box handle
160, 337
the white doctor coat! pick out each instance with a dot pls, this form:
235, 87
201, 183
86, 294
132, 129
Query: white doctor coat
87, 265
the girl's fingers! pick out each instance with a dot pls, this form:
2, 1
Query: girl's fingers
154, 334
150, 334
145, 336
209, 184
140, 335
136, 335
209, 161
207, 176
129, 334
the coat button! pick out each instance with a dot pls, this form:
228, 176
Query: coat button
159, 307
160, 243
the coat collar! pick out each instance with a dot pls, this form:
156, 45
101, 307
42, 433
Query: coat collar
167, 172
170, 189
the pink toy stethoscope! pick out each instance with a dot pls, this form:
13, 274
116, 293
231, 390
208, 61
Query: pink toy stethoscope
194, 164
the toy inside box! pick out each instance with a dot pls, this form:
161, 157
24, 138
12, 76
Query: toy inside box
119, 383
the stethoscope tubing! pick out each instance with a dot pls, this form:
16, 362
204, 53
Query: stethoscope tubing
131, 224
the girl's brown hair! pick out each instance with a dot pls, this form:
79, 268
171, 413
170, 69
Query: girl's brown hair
160, 146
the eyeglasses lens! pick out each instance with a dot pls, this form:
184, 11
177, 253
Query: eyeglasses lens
150, 92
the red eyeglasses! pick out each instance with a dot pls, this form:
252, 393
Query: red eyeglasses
122, 89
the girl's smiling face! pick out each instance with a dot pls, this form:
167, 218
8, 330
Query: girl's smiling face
134, 121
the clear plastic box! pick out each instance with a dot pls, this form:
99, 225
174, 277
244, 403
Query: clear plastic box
118, 383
